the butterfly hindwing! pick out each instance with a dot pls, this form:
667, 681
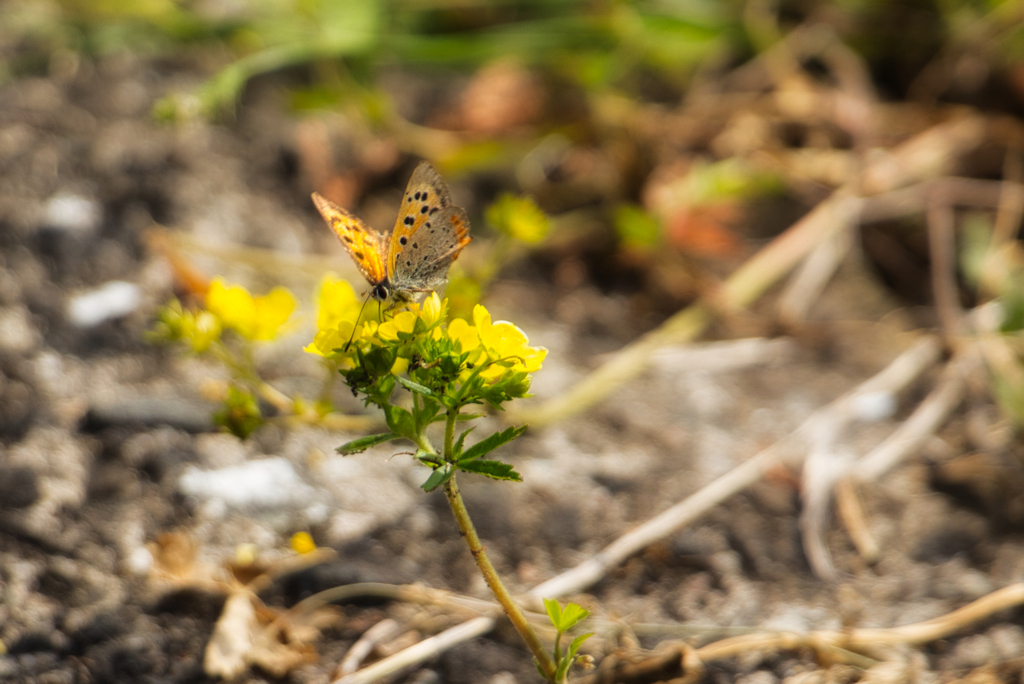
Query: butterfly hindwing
426, 239
423, 264
425, 196
364, 244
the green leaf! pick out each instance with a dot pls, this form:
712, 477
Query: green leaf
240, 413
554, 613
493, 469
364, 443
489, 444
414, 386
562, 673
636, 228
566, 618
400, 421
572, 615
378, 361
428, 459
426, 413
576, 643
437, 478
457, 448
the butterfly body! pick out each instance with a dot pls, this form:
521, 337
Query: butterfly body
414, 257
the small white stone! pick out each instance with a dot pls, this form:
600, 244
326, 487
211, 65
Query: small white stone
112, 300
139, 561
73, 213
874, 406
266, 483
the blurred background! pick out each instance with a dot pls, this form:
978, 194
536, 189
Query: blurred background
842, 176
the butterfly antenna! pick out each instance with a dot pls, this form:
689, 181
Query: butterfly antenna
356, 324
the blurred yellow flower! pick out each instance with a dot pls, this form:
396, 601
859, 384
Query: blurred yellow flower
520, 218
337, 302
201, 330
255, 318
303, 543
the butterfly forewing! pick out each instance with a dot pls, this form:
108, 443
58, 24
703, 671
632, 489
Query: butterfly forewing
427, 238
364, 244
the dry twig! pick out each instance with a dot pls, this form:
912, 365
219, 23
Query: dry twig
896, 376
929, 154
424, 650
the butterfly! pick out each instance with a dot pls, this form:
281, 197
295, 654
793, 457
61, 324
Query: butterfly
415, 256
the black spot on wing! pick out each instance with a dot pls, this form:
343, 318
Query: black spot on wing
415, 245
424, 209
402, 240
409, 220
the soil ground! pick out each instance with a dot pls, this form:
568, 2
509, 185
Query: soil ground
99, 431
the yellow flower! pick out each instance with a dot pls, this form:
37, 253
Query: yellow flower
433, 309
255, 318
504, 341
401, 322
337, 302
326, 341
303, 543
331, 342
464, 333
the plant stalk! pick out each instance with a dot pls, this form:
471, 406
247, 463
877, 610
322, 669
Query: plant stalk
451, 489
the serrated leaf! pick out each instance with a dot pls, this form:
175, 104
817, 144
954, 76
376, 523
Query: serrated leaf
493, 469
437, 478
457, 448
554, 613
572, 615
576, 643
414, 386
489, 444
364, 443
399, 420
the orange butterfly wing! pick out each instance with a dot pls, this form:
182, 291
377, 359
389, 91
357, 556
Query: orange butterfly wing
425, 195
364, 244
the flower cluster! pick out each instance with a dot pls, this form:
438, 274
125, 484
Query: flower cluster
251, 319
445, 365
457, 362
254, 318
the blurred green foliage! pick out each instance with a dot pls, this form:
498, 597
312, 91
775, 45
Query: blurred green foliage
594, 43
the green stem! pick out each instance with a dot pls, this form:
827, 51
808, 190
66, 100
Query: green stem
451, 489
449, 433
